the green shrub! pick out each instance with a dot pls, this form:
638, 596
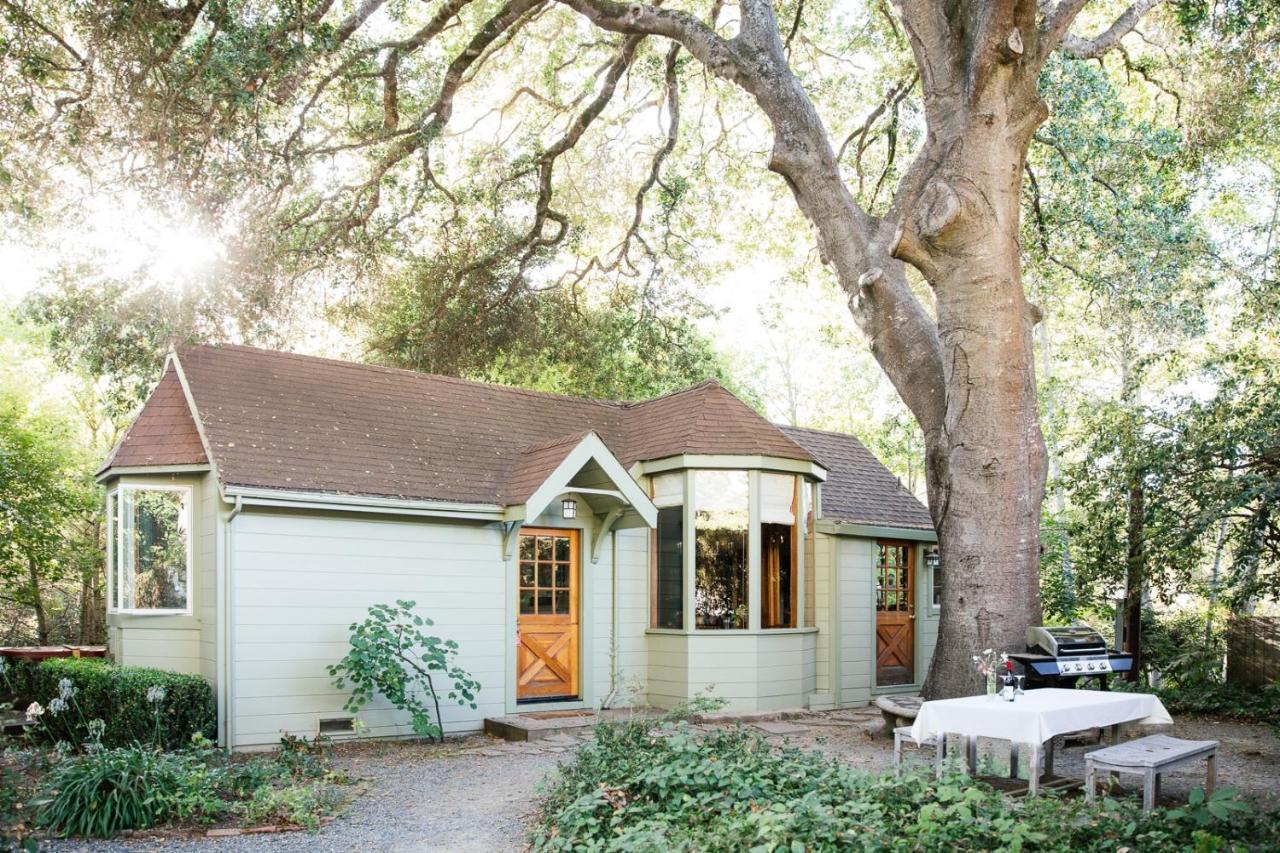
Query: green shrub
118, 695
636, 789
102, 793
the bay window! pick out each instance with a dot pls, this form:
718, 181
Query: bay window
149, 528
726, 551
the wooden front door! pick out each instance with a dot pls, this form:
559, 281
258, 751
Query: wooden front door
547, 615
895, 578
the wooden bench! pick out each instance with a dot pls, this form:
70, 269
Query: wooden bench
1151, 756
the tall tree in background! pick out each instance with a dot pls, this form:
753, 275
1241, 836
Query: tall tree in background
292, 95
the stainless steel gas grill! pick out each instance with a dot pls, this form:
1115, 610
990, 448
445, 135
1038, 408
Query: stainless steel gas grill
1060, 656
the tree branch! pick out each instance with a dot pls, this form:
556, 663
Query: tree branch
1092, 48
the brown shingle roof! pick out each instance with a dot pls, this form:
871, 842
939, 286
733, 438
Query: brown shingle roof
534, 464
162, 434
282, 421
859, 488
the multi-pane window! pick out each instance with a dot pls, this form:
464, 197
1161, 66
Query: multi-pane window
893, 578
545, 575
150, 532
722, 518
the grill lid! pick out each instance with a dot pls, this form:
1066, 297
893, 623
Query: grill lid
1065, 640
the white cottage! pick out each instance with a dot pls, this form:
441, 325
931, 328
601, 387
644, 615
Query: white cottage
581, 552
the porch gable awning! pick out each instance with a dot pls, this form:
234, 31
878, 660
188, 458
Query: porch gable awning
543, 472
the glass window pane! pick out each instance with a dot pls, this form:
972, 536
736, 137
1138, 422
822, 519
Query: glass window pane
156, 528
544, 575
721, 549
562, 601
562, 548
526, 547
669, 584
526, 601
777, 576
113, 572
544, 601
562, 575
544, 548
526, 574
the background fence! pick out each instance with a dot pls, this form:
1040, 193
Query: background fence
1253, 651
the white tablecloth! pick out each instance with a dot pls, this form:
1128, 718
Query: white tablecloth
1037, 715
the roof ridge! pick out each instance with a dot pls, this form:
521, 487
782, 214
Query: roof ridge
698, 386
854, 436
418, 374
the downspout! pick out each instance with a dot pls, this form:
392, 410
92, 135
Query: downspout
613, 622
227, 623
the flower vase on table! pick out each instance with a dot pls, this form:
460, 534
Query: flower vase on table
992, 687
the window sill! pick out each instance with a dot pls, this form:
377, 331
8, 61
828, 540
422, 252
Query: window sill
152, 619
734, 632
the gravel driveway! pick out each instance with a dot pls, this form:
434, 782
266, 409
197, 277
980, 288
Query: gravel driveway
478, 793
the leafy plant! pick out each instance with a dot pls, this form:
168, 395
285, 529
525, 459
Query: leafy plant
390, 655
102, 793
302, 805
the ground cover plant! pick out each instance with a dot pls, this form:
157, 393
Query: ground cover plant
642, 786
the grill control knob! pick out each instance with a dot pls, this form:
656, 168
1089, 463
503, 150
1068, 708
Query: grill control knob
1090, 667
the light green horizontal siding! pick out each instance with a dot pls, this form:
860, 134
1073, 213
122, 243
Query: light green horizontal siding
299, 580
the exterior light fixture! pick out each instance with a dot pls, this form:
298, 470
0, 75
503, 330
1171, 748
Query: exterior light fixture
932, 558
569, 508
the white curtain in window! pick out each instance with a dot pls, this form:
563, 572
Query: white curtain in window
777, 494
668, 489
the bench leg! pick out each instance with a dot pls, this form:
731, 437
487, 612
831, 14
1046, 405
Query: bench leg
1048, 758
971, 754
1211, 773
939, 753
1013, 761
897, 754
1033, 772
1149, 790
1090, 779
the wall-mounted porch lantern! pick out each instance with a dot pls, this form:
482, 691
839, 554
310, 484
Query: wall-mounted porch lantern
569, 508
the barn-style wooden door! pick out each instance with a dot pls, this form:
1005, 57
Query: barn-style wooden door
895, 579
547, 615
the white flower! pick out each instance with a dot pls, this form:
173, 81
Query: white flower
34, 712
66, 689
57, 705
987, 651
97, 728
155, 694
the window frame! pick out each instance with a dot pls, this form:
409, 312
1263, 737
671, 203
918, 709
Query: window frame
935, 602
115, 549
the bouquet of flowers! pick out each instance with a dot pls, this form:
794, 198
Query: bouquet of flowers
989, 664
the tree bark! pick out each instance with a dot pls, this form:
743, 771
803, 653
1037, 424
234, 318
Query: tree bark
37, 603
1135, 561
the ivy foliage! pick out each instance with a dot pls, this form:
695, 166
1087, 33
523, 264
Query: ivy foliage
390, 656
643, 787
